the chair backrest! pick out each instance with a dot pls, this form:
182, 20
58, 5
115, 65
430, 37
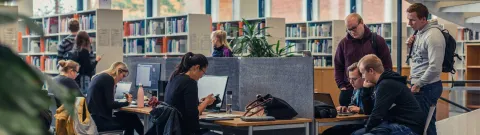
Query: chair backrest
429, 118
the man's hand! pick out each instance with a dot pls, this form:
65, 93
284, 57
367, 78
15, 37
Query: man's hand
341, 108
410, 41
415, 89
354, 109
98, 58
343, 88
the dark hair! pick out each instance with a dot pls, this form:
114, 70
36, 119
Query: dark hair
73, 26
353, 67
82, 41
420, 9
189, 60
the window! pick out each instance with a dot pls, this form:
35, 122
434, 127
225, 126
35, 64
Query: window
132, 9
43, 7
291, 10
225, 11
373, 11
331, 9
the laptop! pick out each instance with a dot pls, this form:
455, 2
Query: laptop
216, 85
327, 99
120, 89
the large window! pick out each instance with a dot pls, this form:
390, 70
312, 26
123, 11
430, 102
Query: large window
331, 9
373, 11
225, 10
291, 10
131, 8
51, 7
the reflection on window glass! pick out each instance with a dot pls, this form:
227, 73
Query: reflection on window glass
331, 9
131, 8
291, 10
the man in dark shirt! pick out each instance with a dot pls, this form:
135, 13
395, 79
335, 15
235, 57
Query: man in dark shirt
354, 46
396, 111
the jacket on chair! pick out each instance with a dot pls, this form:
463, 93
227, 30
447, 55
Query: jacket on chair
166, 120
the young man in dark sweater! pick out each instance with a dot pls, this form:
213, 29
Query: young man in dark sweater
396, 111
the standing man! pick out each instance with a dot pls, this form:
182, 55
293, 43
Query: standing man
354, 46
427, 59
69, 42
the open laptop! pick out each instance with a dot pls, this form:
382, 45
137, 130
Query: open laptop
327, 99
216, 85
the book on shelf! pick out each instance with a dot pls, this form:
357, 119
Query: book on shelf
34, 46
154, 45
51, 25
176, 25
34, 60
136, 28
177, 45
156, 27
135, 46
51, 64
466, 34
296, 30
296, 46
231, 28
320, 30
322, 61
64, 24
386, 29
51, 45
321, 46
87, 22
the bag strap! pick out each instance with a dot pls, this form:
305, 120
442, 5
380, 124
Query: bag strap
411, 50
374, 43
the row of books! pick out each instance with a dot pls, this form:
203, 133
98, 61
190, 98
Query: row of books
64, 24
295, 46
134, 46
88, 22
51, 45
134, 28
296, 30
155, 45
382, 30
467, 34
232, 28
51, 64
321, 46
320, 30
176, 25
34, 46
156, 27
177, 45
51, 25
34, 60
323, 61
44, 63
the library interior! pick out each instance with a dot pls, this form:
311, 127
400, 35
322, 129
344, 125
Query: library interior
239, 67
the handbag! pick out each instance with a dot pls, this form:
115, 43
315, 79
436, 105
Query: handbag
270, 106
323, 110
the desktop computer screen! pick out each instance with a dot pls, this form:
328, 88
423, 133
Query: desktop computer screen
215, 85
148, 74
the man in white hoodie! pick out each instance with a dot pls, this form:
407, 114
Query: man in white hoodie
427, 58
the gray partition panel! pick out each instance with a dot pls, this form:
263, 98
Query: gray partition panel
290, 79
132, 67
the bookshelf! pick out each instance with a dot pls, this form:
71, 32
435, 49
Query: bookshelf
388, 30
167, 36
472, 73
319, 37
234, 28
99, 24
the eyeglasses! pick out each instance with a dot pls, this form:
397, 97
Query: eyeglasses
76, 72
350, 30
124, 71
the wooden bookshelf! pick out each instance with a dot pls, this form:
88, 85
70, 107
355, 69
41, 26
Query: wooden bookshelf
388, 30
319, 37
472, 73
100, 24
234, 29
167, 36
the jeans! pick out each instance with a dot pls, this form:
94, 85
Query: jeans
345, 97
431, 93
386, 128
122, 121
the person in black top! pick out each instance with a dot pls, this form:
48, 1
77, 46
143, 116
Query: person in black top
81, 54
182, 92
100, 101
396, 111
68, 72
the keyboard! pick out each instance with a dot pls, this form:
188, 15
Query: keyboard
223, 115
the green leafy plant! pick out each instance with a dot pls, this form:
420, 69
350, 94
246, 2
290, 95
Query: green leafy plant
21, 92
254, 43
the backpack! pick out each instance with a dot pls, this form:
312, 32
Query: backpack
450, 47
323, 110
374, 43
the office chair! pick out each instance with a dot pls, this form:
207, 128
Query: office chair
429, 118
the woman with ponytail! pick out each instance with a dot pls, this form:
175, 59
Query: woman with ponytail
101, 102
182, 92
220, 44
82, 53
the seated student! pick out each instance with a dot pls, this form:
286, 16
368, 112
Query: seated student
220, 44
362, 102
100, 102
68, 72
182, 92
396, 110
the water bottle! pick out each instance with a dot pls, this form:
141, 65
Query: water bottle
140, 98
228, 102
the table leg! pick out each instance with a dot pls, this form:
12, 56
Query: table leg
250, 130
146, 123
307, 129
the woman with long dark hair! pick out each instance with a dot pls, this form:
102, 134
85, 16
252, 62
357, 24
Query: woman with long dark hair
81, 54
182, 92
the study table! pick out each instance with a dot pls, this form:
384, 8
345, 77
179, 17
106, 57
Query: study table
340, 120
237, 122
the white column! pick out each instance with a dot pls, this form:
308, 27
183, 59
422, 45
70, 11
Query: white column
304, 10
268, 8
315, 10
390, 11
347, 8
359, 7
215, 9
245, 9
334, 9
236, 9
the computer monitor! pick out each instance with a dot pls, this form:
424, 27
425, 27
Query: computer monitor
212, 85
148, 74
121, 88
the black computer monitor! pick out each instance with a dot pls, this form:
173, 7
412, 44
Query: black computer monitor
148, 74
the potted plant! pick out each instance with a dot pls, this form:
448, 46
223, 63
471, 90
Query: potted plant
23, 100
254, 43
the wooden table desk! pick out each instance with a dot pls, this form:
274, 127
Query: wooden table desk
237, 122
341, 120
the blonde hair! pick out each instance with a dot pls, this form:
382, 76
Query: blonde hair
372, 61
64, 66
114, 69
355, 15
222, 36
